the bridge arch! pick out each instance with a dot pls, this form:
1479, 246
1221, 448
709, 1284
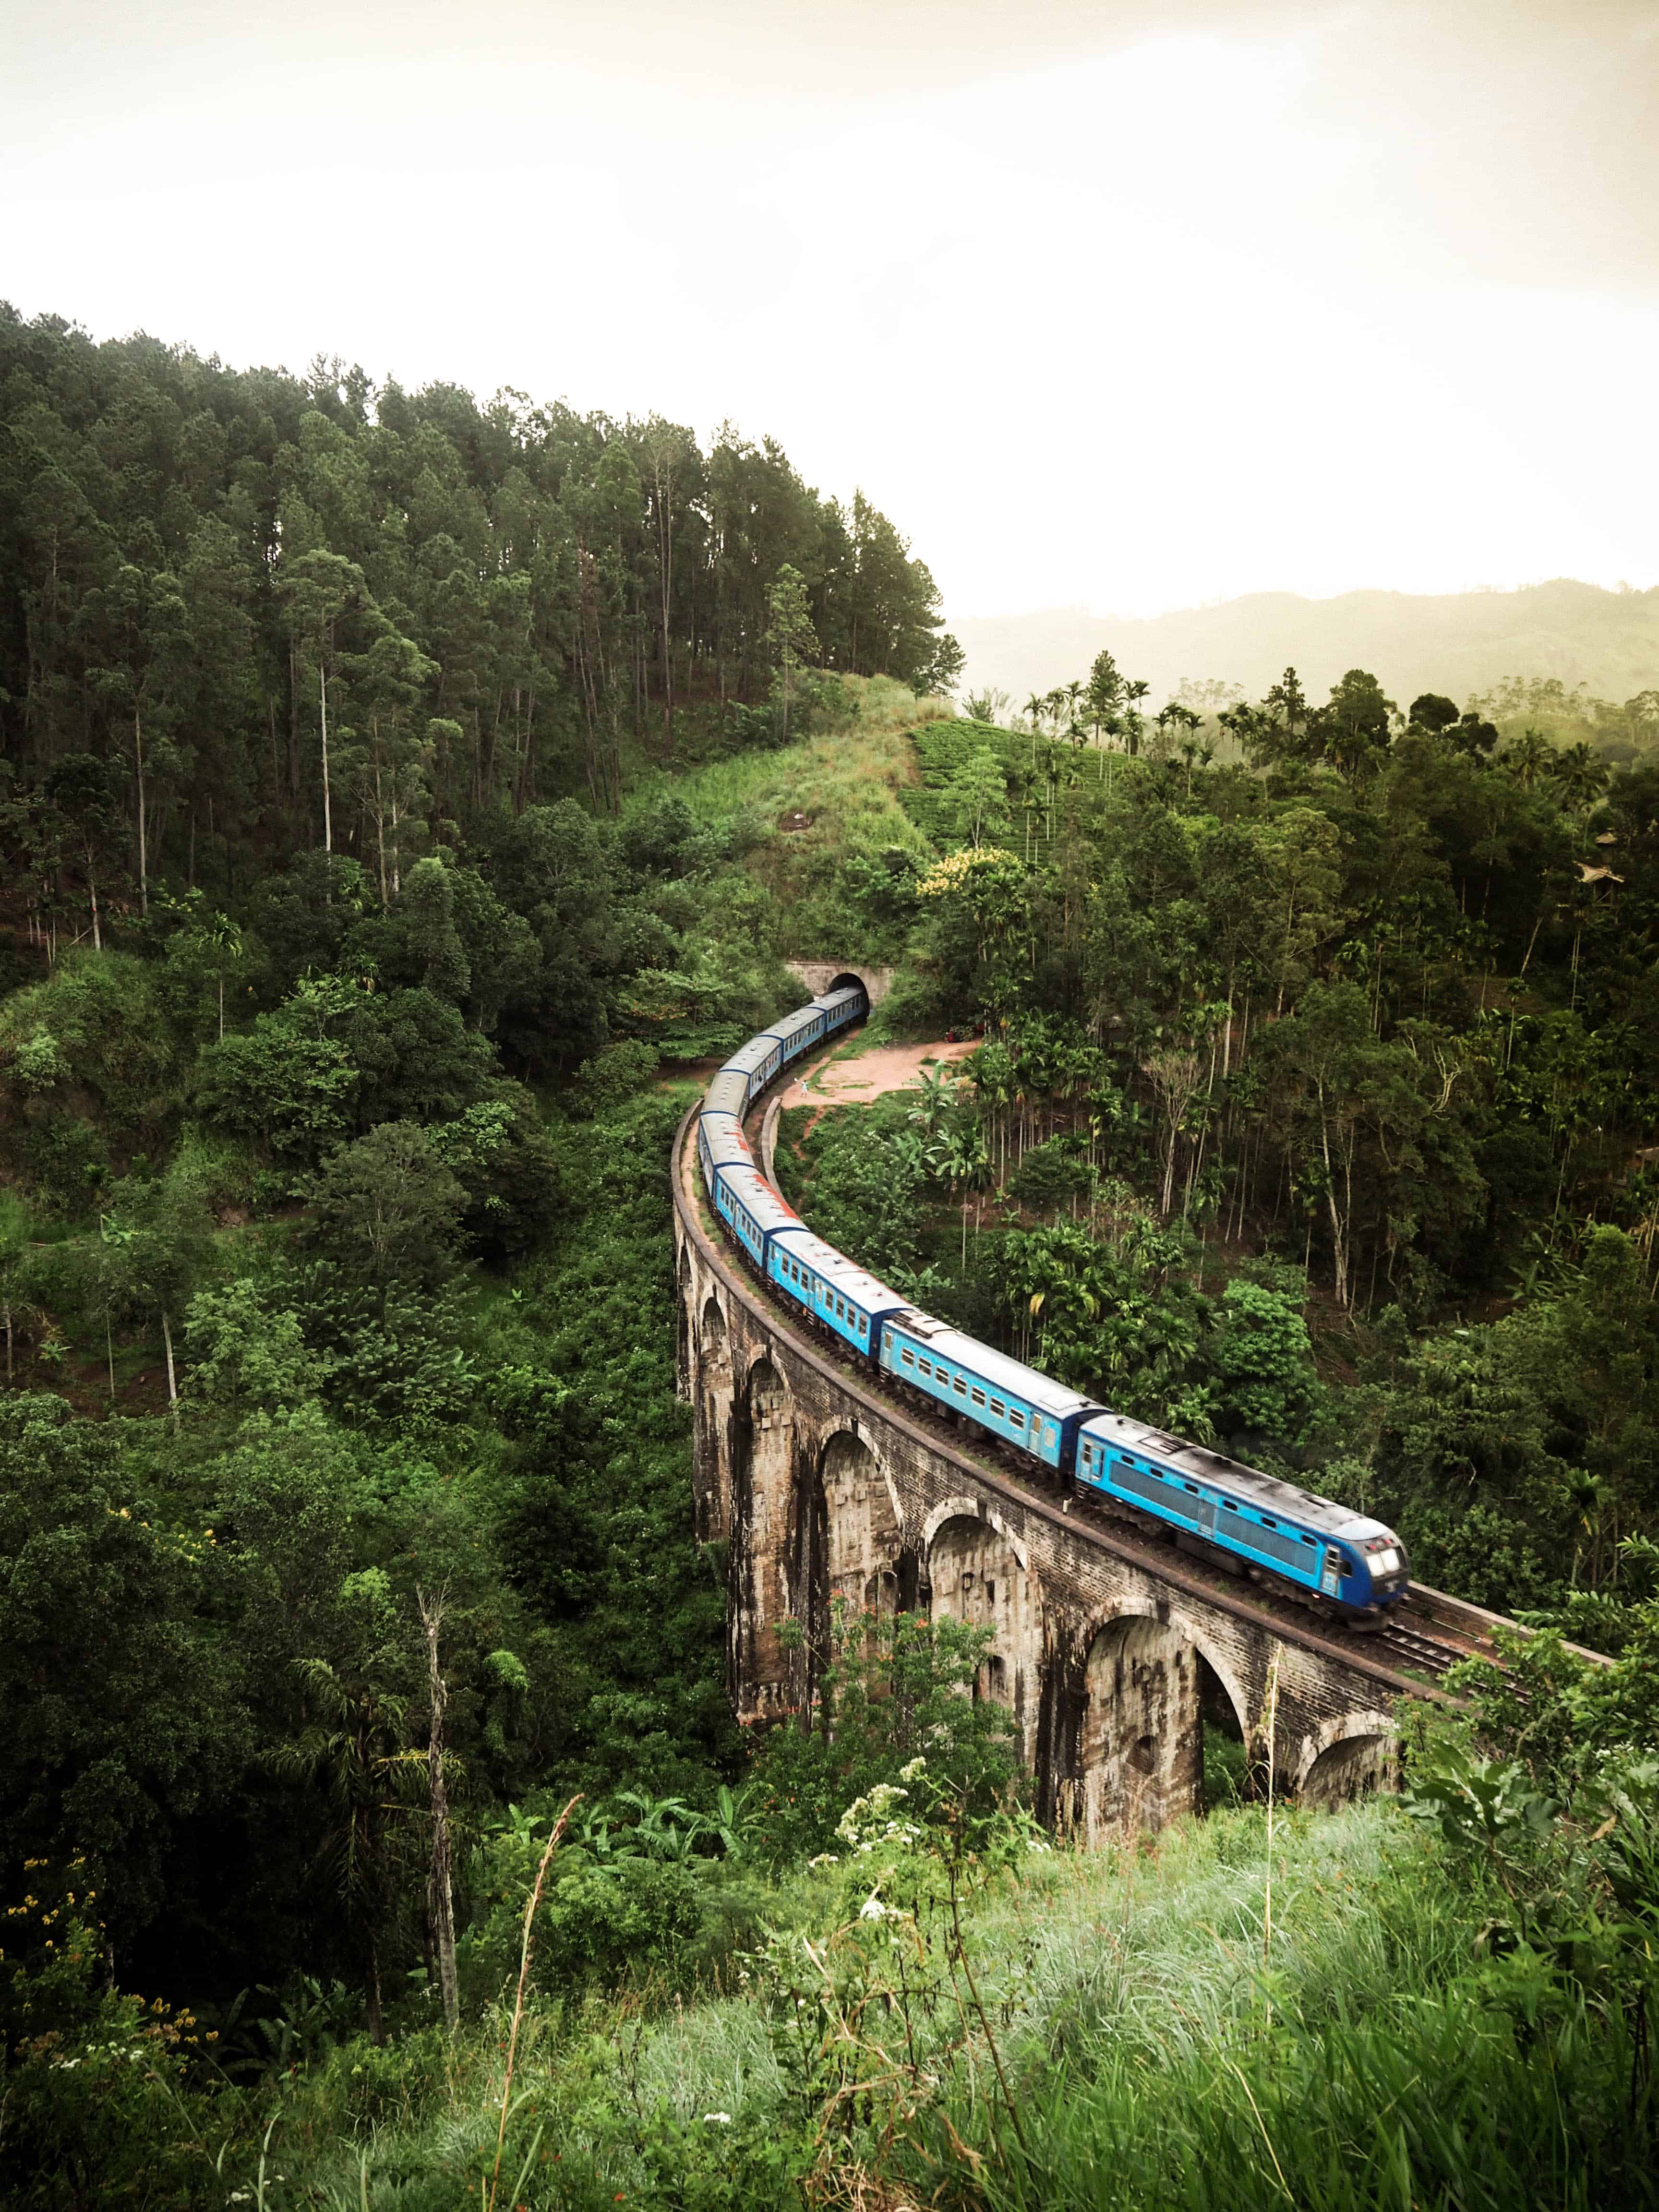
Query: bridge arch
978, 1574
972, 1509
712, 1453
1348, 1757
1139, 1760
865, 1550
847, 1549
762, 1433
682, 1320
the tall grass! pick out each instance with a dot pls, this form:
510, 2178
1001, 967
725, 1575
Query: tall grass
1385, 2062
1382, 2061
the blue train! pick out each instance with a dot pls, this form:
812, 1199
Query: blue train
1250, 1523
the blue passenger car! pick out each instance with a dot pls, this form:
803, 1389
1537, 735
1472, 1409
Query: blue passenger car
721, 1144
758, 1062
839, 1294
747, 1202
1291, 1533
798, 1032
842, 1008
1008, 1399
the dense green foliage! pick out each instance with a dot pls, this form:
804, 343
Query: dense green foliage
243, 613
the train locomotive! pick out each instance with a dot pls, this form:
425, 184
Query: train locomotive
1247, 1521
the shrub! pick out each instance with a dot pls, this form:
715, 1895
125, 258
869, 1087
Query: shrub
616, 1075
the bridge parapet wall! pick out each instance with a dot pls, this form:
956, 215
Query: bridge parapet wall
1104, 1649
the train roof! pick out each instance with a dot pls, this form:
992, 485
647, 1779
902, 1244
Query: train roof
832, 999
749, 1057
726, 1092
851, 1280
995, 1367
750, 1186
791, 1025
1232, 1475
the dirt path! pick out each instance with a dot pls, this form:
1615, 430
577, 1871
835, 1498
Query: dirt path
867, 1076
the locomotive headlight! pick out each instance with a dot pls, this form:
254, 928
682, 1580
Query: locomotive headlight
1386, 1563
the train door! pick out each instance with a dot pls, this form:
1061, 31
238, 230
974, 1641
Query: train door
1331, 1573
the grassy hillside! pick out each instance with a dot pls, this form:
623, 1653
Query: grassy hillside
1463, 643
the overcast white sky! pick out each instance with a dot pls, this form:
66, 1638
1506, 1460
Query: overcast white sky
1123, 306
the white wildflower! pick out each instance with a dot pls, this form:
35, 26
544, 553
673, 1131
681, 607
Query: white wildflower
721, 2120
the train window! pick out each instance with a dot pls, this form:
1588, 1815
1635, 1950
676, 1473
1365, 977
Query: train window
864, 1324
1231, 1504
1016, 1417
909, 1357
841, 1308
979, 1397
1267, 1521
1308, 1539
958, 1384
1193, 1487
998, 1407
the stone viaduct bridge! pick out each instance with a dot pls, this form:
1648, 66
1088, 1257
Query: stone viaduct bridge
1108, 1646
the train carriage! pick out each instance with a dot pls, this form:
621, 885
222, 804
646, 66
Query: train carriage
752, 1210
836, 1290
798, 1032
721, 1144
1260, 1520
757, 1063
840, 1008
1002, 1395
728, 1093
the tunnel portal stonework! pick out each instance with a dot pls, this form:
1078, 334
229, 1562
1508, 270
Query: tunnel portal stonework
823, 1487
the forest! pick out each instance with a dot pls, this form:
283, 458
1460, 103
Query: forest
403, 801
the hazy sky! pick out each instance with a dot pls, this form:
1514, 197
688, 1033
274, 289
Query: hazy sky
1130, 307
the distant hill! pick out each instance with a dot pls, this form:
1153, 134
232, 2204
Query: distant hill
1465, 641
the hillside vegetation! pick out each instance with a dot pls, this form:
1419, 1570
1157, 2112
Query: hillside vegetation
372, 1824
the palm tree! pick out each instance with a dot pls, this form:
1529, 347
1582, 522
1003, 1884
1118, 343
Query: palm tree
1579, 776
355, 1750
1529, 757
1133, 694
1074, 727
